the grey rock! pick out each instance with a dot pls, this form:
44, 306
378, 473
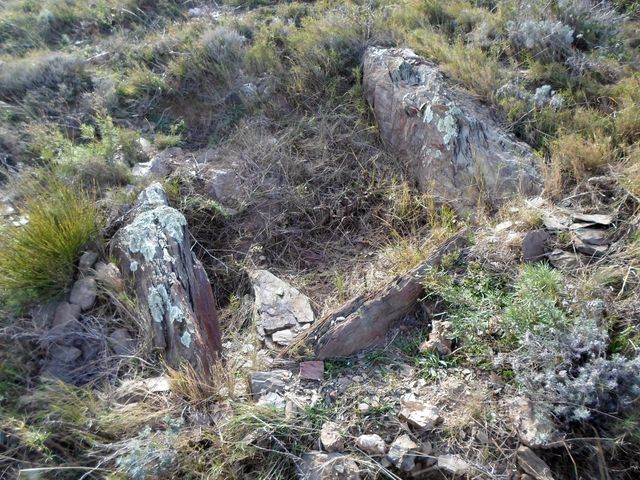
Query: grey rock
534, 245
87, 261
439, 338
283, 337
566, 261
83, 293
161, 165
535, 428
135, 390
592, 236
454, 464
65, 313
328, 466
64, 354
600, 219
420, 415
372, 444
402, 453
331, 438
273, 399
278, 305
272, 381
452, 143
590, 249
121, 342
154, 253
532, 464
223, 185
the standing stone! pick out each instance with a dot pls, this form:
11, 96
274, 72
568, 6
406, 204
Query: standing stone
534, 245
154, 253
453, 145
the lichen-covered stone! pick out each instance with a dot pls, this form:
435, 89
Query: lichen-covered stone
454, 147
155, 253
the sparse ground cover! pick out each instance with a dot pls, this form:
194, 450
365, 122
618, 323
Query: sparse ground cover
273, 92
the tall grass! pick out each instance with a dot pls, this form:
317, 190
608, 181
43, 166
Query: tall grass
37, 259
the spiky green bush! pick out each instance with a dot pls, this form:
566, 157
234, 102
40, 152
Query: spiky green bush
37, 259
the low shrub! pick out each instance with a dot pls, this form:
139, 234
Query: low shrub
53, 71
545, 40
37, 259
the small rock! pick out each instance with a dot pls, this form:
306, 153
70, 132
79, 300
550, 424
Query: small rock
136, 390
121, 342
363, 408
283, 337
400, 453
265, 382
83, 293
566, 261
277, 304
331, 438
535, 428
420, 415
532, 464
65, 312
312, 370
553, 223
534, 245
589, 249
454, 464
596, 218
87, 261
371, 444
592, 236
328, 466
273, 399
64, 354
438, 341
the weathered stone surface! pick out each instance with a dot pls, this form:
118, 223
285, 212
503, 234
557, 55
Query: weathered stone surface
160, 165
534, 245
600, 219
402, 453
222, 184
265, 382
420, 415
280, 310
65, 312
87, 261
566, 261
372, 444
136, 390
121, 342
331, 438
438, 341
451, 141
83, 293
64, 354
535, 428
328, 466
273, 399
454, 464
312, 370
154, 252
365, 320
532, 464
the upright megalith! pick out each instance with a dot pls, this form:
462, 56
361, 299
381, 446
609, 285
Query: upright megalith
154, 253
449, 140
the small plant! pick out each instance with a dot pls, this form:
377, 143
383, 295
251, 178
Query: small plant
37, 259
431, 366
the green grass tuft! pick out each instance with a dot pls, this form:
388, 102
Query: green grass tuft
37, 259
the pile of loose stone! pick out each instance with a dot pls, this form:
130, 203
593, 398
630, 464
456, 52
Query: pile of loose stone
71, 337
